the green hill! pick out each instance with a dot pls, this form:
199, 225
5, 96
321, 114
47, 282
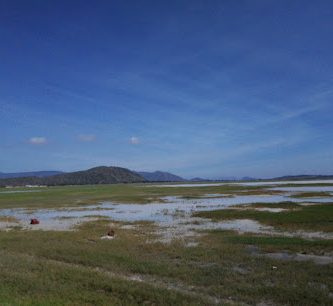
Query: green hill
98, 175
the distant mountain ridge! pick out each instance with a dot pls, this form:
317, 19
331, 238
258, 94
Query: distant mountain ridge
304, 177
28, 174
160, 176
112, 175
97, 175
198, 179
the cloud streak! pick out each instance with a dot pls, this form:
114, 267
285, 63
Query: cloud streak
37, 140
87, 137
134, 140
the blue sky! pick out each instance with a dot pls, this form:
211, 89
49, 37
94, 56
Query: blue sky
199, 88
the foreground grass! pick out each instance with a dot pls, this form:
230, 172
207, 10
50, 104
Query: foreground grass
40, 282
275, 244
315, 217
62, 268
77, 268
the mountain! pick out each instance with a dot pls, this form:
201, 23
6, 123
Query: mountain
160, 176
28, 174
98, 175
228, 178
304, 177
247, 178
199, 179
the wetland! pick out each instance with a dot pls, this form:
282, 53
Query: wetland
187, 244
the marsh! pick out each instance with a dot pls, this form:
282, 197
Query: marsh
179, 244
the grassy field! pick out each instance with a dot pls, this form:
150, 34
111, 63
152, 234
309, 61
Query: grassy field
224, 268
63, 268
312, 194
314, 217
91, 194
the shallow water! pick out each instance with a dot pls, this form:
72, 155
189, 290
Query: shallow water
157, 212
20, 191
274, 210
312, 182
173, 215
186, 228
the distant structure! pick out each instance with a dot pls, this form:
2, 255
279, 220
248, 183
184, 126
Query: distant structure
34, 221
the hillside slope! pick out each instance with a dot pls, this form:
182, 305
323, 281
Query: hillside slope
98, 175
29, 174
159, 176
304, 177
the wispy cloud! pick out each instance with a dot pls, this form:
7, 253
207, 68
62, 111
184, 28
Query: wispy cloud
37, 140
313, 103
87, 137
134, 140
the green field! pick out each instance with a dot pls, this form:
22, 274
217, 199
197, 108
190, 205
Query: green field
135, 268
315, 217
89, 194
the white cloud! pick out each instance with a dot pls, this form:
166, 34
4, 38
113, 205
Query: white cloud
134, 140
37, 140
87, 137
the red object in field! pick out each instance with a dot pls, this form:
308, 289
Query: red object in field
34, 221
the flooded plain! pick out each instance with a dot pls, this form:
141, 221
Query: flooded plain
161, 212
173, 214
